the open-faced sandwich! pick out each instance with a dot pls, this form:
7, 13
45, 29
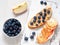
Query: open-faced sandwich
47, 31
40, 18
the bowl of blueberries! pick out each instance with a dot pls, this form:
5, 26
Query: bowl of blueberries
12, 27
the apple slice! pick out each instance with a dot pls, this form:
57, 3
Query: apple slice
20, 8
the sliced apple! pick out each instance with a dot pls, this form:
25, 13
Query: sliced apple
20, 8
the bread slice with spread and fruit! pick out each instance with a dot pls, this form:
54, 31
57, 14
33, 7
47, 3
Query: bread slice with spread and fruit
40, 18
47, 31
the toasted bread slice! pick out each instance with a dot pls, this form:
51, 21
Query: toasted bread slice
40, 18
47, 31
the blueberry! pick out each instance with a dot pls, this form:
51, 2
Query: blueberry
34, 21
44, 10
31, 37
43, 17
12, 35
15, 34
13, 23
18, 31
45, 14
36, 24
39, 21
40, 13
39, 17
31, 23
26, 38
45, 3
18, 23
33, 33
5, 25
14, 31
41, 2
9, 34
9, 31
35, 17
15, 20
10, 21
16, 27
5, 31
48, 12
11, 27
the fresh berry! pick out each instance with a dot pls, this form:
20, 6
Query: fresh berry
34, 21
36, 24
45, 14
39, 21
43, 17
41, 2
31, 23
26, 38
48, 12
35, 17
45, 3
39, 17
31, 37
12, 27
40, 13
44, 10
33, 33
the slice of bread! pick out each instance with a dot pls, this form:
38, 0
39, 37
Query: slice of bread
40, 18
47, 31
